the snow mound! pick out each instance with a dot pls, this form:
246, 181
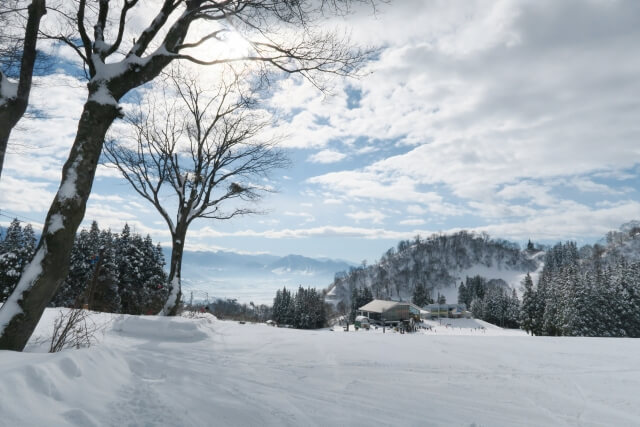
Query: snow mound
59, 389
163, 329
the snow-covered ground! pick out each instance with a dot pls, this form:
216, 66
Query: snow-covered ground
149, 371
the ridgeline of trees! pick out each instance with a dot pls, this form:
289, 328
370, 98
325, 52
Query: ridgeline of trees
117, 273
430, 263
231, 309
583, 292
304, 310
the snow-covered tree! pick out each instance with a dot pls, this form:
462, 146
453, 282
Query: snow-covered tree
420, 295
528, 307
16, 250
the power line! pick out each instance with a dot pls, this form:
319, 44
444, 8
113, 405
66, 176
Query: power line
13, 215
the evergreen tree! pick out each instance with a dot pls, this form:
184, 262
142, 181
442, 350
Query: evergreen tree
420, 295
16, 250
277, 307
530, 246
463, 296
528, 307
129, 279
105, 294
477, 308
513, 311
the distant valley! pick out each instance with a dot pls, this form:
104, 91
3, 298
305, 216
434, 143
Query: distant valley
252, 277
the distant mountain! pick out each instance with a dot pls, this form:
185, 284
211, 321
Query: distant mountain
253, 277
298, 263
441, 262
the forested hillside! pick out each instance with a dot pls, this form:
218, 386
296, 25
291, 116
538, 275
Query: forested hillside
439, 262
591, 291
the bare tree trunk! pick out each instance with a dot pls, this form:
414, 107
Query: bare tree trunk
49, 267
175, 275
12, 109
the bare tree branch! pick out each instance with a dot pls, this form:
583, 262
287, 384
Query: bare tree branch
201, 156
14, 99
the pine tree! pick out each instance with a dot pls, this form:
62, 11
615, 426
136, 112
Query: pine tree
277, 307
128, 256
355, 304
530, 247
513, 311
16, 250
477, 308
105, 293
630, 315
528, 307
463, 297
420, 295
131, 264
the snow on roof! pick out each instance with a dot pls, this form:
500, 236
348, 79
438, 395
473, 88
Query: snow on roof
378, 306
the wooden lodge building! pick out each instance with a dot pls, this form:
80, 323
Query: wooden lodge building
390, 312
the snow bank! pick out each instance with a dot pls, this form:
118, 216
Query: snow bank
150, 371
68, 388
162, 329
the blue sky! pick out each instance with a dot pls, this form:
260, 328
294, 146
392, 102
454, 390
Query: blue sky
516, 118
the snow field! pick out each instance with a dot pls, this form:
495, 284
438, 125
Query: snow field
153, 371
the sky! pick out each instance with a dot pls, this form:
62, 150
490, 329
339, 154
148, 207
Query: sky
521, 119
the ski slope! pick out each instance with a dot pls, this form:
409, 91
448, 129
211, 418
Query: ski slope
149, 371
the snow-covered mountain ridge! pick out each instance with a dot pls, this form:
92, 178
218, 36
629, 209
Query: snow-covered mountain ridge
443, 261
440, 261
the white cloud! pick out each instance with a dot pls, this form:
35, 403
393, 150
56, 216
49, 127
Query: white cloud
326, 156
323, 231
373, 215
332, 201
307, 217
416, 210
413, 221
21, 195
477, 114
588, 186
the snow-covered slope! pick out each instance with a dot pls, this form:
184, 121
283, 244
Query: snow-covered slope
148, 371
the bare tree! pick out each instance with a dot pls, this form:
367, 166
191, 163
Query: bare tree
14, 96
280, 34
197, 153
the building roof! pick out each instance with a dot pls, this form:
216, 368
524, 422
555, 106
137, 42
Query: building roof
378, 306
440, 307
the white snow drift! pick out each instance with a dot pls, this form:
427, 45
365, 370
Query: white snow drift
157, 371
